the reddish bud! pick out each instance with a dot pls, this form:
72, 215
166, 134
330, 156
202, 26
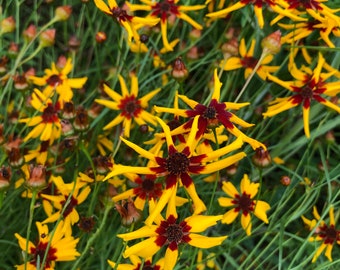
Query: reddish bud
272, 43
179, 71
63, 13
30, 33
7, 25
261, 158
100, 37
47, 38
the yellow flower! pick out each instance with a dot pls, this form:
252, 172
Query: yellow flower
258, 6
165, 8
130, 23
47, 125
170, 233
212, 116
323, 232
178, 166
62, 247
243, 203
309, 85
130, 107
248, 62
74, 194
56, 79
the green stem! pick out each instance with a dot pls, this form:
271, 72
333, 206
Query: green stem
263, 55
30, 221
2, 196
217, 174
93, 237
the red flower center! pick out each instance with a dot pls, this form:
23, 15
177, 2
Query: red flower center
50, 113
147, 188
249, 62
165, 8
177, 163
244, 203
73, 203
329, 234
147, 266
39, 253
172, 234
54, 80
130, 107
120, 15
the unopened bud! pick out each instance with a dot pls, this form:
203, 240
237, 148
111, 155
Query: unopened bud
30, 33
81, 121
272, 43
100, 37
232, 169
74, 43
37, 177
128, 212
5, 177
285, 180
66, 127
7, 25
20, 82
102, 164
63, 13
13, 49
230, 48
179, 71
47, 38
68, 110
261, 158
86, 224
3, 64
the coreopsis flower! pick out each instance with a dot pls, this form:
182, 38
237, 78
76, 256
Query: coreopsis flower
313, 8
212, 116
171, 233
309, 85
327, 234
258, 9
243, 203
60, 246
130, 23
74, 194
56, 80
323, 26
131, 108
39, 154
248, 62
47, 124
178, 166
165, 8
137, 263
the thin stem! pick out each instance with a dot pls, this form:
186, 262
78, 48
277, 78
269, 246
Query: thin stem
30, 221
94, 236
263, 55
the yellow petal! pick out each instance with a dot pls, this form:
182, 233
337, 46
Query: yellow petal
230, 216
144, 249
199, 223
260, 210
146, 231
170, 259
246, 223
306, 121
201, 241
225, 202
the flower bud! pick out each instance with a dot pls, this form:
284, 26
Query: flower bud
13, 50
3, 64
261, 158
86, 224
272, 43
20, 82
66, 127
63, 13
47, 38
81, 121
68, 110
30, 33
100, 37
285, 180
7, 25
102, 164
179, 71
5, 177
128, 212
74, 43
230, 48
37, 177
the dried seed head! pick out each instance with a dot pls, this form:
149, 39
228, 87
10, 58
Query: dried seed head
128, 212
37, 177
179, 71
261, 158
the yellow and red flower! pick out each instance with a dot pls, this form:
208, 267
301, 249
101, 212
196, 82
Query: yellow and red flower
131, 107
243, 203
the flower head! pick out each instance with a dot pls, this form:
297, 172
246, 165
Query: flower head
164, 9
56, 80
131, 108
309, 86
171, 233
243, 203
62, 247
327, 234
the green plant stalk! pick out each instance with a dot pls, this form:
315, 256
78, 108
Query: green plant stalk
94, 236
30, 221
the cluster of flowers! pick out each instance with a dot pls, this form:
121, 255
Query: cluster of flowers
184, 151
